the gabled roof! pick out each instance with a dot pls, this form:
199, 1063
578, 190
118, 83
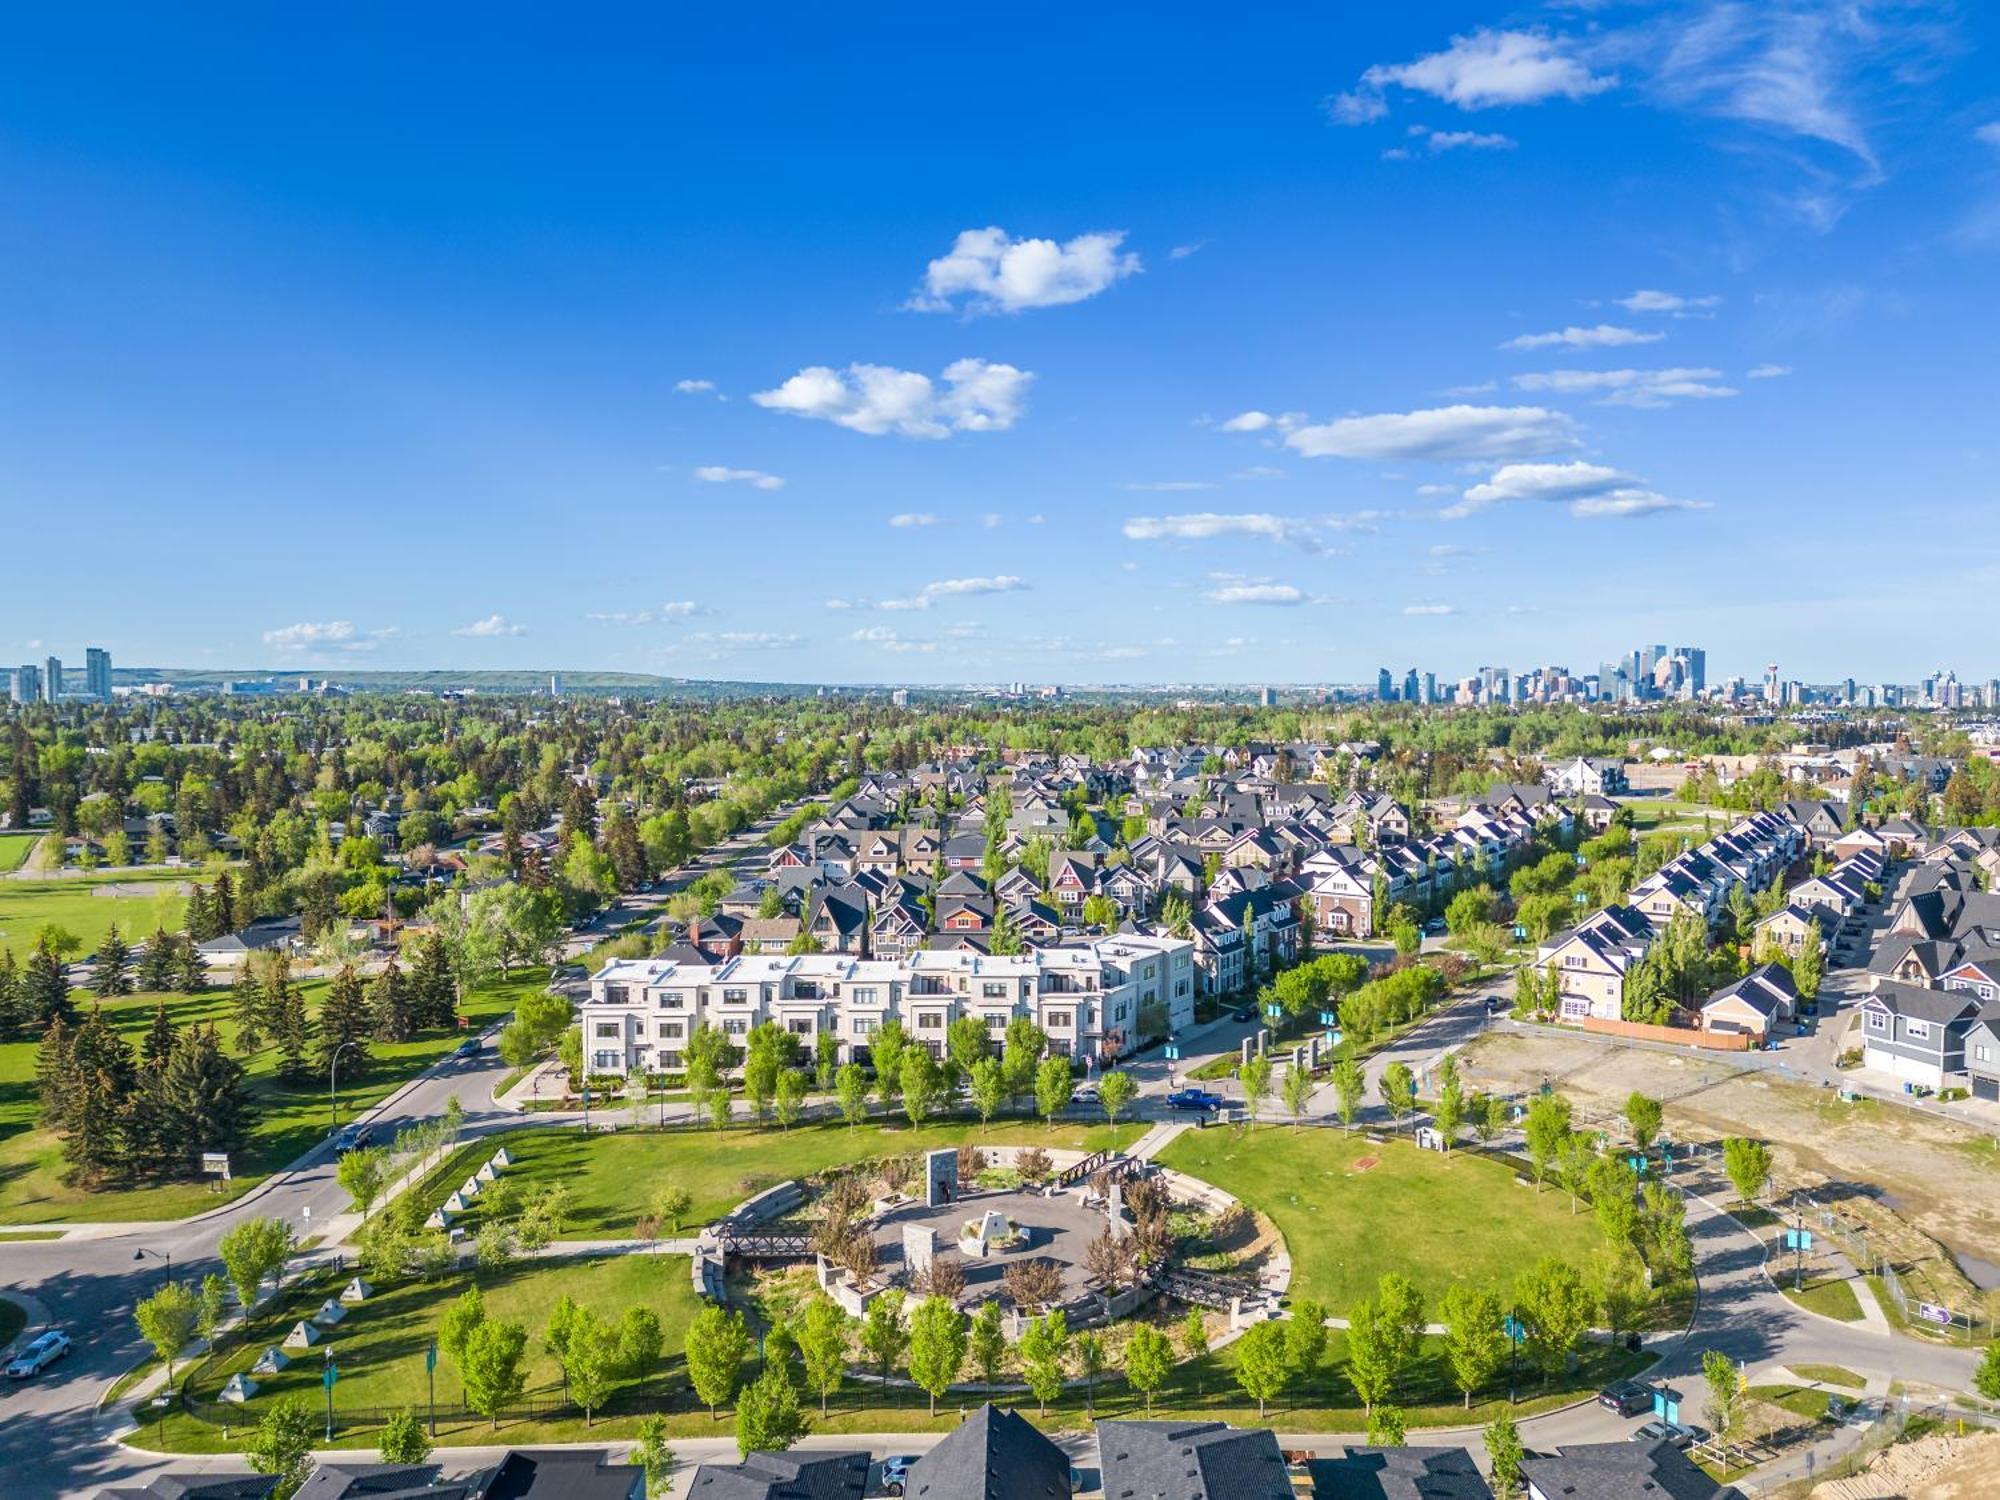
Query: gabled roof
1919, 1003
1621, 1471
991, 1455
1190, 1461
1398, 1474
1767, 989
798, 1475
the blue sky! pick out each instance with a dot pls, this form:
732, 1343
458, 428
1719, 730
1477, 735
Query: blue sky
1273, 349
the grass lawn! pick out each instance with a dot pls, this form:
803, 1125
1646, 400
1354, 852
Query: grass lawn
611, 1178
14, 850
75, 904
1831, 1375
1799, 1400
292, 1120
13, 1318
1831, 1297
1438, 1220
380, 1347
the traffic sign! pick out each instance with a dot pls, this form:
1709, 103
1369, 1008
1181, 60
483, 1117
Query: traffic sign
1173, 1051
332, 1373
1326, 1018
1931, 1312
1798, 1239
1274, 1010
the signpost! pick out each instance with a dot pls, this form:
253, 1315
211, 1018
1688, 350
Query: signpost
1931, 1312
1798, 1241
431, 1375
328, 1376
215, 1164
1515, 1331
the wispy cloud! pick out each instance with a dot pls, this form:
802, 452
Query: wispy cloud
323, 637
1666, 302
675, 609
910, 518
492, 625
755, 478
890, 640
1645, 388
729, 642
1278, 594
1307, 533
1591, 491
1602, 336
699, 388
987, 270
977, 396
1182, 252
956, 588
1430, 609
1768, 372
1446, 434
1168, 486
1480, 71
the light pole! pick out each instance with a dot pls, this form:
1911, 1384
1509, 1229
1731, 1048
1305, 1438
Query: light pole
163, 1255
332, 1074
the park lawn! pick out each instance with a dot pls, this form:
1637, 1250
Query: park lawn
1799, 1400
75, 904
613, 1177
292, 1120
1438, 1220
379, 1347
1831, 1297
1830, 1375
14, 850
379, 1351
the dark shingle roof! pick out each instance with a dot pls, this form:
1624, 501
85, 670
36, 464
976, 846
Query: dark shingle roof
1398, 1474
991, 1455
1622, 1471
559, 1474
1190, 1461
783, 1476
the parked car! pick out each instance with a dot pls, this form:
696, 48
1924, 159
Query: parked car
1434, 927
1195, 1099
896, 1472
1243, 1013
1084, 1093
1626, 1397
1653, 1432
467, 1048
44, 1351
352, 1138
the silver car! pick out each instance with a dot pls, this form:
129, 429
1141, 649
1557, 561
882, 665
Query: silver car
44, 1351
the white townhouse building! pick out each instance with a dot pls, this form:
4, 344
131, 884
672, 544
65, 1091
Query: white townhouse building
1087, 999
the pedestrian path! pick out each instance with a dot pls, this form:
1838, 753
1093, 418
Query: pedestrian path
1154, 1141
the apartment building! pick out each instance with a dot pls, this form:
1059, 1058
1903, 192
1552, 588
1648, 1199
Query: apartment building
1088, 999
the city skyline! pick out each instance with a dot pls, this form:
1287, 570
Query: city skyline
1478, 332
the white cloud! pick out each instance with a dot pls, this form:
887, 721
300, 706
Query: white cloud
755, 478
1446, 434
1439, 141
1182, 252
675, 609
913, 518
1250, 421
1036, 519
1433, 491
1631, 503
1768, 372
1454, 549
492, 625
993, 272
889, 640
990, 520
1629, 387
1603, 336
1665, 302
1170, 486
307, 635
875, 399
1200, 526
949, 588
1256, 593
724, 642
1430, 609
1512, 482
1480, 71
1989, 133
1258, 471
699, 388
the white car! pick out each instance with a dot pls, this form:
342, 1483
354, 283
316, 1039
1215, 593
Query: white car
46, 1349
896, 1472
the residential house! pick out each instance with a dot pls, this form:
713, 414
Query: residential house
1755, 1005
1917, 1034
1620, 1471
1599, 775
801, 1474
1359, 1473
991, 1455
1190, 1460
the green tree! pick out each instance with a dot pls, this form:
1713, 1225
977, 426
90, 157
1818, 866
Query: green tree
850, 1087
1262, 1368
363, 1172
1546, 1127
1618, 1286
213, 1299
989, 1088
1116, 1091
404, 1440
653, 1454
1614, 1192
1298, 1092
671, 1204
1053, 1087
988, 1342
1475, 1340
1349, 1083
1986, 1379
1810, 966
965, 1043
1725, 1391
1305, 1339
1448, 1111
1386, 1427
1149, 1360
1644, 1116
1504, 1453
344, 1023
167, 1321
938, 1338
639, 1342
1748, 1164
768, 1418
883, 1333
493, 1367
1574, 1163
823, 1336
1398, 1087
111, 969
923, 1085
1255, 1076
466, 1312
790, 1102
589, 1361
887, 1049
716, 1346
251, 1251
1555, 1306
282, 1444
1044, 1351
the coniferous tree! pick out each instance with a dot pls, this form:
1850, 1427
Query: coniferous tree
204, 1100
434, 992
246, 1005
156, 964
225, 909
389, 1005
94, 1128
343, 1018
159, 1038
45, 988
11, 1017
290, 1025
54, 1079
111, 970
190, 968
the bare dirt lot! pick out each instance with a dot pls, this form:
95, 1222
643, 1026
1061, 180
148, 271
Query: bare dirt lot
1916, 1183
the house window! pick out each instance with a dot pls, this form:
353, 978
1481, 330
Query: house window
735, 1026
864, 1025
1180, 987
996, 1023
607, 1062
1059, 1020
609, 1031
1982, 1053
1877, 1021
735, 997
1917, 1031
930, 1021
994, 989
862, 994
670, 1030
802, 1028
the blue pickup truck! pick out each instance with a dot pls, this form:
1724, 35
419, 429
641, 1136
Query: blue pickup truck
1196, 1099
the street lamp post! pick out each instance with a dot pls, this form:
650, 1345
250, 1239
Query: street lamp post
332, 1074
162, 1255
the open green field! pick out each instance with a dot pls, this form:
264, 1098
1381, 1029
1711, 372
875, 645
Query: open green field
14, 850
293, 1118
1831, 1297
77, 904
379, 1350
1437, 1219
612, 1178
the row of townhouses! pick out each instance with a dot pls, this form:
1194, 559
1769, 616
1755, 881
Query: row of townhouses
1095, 1000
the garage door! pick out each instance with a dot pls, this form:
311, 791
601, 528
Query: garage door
1986, 1088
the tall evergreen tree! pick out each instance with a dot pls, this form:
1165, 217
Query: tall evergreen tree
156, 965
290, 1025
226, 910
344, 1018
12, 1017
205, 1102
94, 1128
190, 968
111, 970
434, 991
55, 1078
246, 1005
389, 1005
45, 989
159, 1038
